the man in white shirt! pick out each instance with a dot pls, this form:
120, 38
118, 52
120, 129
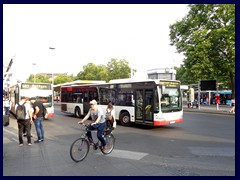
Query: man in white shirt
24, 123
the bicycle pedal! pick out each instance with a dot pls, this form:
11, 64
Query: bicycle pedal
95, 147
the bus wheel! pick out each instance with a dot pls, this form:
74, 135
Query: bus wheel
125, 119
77, 112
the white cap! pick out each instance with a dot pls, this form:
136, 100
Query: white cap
93, 102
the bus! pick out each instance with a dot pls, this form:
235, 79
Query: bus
139, 102
42, 91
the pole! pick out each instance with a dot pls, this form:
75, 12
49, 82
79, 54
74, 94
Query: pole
217, 95
52, 48
34, 72
199, 95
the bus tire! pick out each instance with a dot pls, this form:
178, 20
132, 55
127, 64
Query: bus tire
125, 119
77, 112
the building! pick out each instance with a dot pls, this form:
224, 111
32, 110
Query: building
162, 73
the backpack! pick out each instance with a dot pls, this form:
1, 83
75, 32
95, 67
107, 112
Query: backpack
21, 112
108, 116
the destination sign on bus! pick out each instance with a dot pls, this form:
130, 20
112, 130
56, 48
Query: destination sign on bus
170, 83
36, 86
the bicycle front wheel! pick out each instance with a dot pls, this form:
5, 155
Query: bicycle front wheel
110, 143
79, 149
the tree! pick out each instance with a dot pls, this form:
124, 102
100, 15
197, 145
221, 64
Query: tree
38, 78
62, 78
93, 72
115, 69
118, 69
206, 36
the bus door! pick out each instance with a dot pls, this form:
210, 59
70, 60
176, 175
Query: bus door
144, 106
86, 101
89, 95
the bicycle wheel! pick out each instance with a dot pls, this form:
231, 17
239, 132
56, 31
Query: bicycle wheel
110, 143
79, 149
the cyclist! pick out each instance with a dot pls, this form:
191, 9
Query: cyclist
98, 116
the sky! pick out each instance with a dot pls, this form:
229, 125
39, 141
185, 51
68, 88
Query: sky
89, 33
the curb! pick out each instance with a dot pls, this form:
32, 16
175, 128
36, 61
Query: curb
209, 111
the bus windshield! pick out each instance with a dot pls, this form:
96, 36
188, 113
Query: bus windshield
46, 100
171, 100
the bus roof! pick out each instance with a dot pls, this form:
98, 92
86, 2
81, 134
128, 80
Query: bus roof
121, 81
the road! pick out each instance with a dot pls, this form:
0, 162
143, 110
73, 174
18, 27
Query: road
203, 145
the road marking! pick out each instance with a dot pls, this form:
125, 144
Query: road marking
10, 132
126, 154
213, 151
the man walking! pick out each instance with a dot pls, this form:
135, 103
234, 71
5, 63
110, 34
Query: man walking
24, 118
38, 118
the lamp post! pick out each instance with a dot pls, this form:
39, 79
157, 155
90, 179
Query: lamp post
52, 48
34, 72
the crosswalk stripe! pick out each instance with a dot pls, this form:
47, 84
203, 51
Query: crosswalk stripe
126, 154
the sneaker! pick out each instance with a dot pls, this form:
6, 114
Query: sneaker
37, 141
20, 144
103, 148
42, 140
29, 144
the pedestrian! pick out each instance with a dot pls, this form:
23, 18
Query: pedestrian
31, 112
232, 110
7, 105
24, 118
110, 116
99, 123
38, 118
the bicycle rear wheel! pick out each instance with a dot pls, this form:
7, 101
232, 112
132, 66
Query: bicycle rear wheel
110, 143
79, 149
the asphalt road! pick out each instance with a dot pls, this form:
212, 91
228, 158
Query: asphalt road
203, 145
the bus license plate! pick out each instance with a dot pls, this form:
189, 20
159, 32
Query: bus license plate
172, 122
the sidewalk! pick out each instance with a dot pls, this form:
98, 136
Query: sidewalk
222, 109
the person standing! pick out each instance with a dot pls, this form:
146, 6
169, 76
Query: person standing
98, 116
38, 118
23, 122
110, 116
7, 105
232, 110
31, 112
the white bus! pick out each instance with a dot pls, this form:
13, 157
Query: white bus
42, 91
134, 101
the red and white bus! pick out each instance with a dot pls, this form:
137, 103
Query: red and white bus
42, 91
136, 102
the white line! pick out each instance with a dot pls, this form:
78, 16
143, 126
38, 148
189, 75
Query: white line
127, 154
10, 132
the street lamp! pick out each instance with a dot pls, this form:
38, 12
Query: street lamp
34, 71
52, 48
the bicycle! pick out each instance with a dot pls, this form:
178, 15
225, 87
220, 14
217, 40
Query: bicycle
80, 147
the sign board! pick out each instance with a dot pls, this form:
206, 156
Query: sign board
210, 85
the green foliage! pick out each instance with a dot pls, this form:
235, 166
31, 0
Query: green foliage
62, 79
38, 78
115, 69
206, 36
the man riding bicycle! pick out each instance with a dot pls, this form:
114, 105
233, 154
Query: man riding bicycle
98, 116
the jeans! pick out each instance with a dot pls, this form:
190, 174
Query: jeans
39, 128
100, 127
7, 111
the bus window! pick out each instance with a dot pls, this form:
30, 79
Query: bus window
170, 100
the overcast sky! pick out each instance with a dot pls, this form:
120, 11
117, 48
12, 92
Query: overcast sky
80, 34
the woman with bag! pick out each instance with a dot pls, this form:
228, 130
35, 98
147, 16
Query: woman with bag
110, 116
